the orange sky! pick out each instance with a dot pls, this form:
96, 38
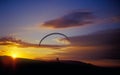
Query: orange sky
93, 28
64, 53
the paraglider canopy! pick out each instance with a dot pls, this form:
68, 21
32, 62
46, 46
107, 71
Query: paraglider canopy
53, 34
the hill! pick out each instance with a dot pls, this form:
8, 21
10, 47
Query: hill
20, 66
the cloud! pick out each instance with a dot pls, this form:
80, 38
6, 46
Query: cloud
115, 19
112, 19
17, 42
106, 37
99, 45
79, 18
63, 41
74, 19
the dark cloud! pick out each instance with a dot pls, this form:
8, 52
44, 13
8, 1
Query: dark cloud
79, 18
73, 19
106, 45
106, 37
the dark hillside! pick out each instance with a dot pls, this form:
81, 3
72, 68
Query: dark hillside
21, 66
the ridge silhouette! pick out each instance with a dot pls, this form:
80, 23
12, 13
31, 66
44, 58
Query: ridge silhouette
37, 67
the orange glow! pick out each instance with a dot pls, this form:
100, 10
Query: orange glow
14, 52
29, 52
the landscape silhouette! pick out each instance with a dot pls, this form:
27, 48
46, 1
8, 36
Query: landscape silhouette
20, 66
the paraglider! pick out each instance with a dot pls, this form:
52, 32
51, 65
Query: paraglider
53, 34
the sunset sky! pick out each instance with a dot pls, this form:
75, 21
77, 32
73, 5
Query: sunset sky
93, 27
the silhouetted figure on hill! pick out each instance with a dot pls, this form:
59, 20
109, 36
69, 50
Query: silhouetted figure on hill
57, 59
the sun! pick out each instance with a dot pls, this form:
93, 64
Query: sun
14, 52
14, 56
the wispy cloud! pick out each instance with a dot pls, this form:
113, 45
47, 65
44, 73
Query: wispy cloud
17, 42
112, 19
63, 41
115, 19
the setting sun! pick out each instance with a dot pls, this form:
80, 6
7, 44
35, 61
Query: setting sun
14, 56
